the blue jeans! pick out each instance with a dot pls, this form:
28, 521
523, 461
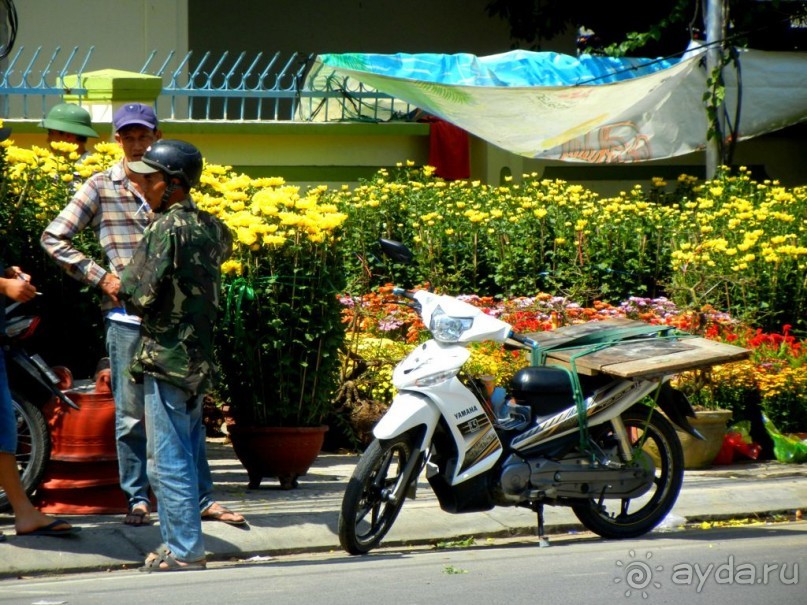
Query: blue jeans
8, 423
174, 424
130, 424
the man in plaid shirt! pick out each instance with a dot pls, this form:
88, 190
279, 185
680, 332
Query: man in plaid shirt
112, 204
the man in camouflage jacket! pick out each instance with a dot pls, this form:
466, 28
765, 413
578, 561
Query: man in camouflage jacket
173, 283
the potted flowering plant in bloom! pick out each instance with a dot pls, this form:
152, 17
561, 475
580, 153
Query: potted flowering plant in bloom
771, 384
280, 327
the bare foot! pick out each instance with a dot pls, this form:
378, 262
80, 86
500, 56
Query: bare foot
34, 521
137, 516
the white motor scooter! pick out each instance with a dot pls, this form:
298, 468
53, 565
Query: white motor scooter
598, 444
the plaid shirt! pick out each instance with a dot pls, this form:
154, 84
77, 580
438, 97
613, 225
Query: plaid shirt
118, 215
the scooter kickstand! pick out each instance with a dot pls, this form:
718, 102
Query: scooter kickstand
543, 541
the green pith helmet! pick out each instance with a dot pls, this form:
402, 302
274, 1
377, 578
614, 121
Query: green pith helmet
67, 117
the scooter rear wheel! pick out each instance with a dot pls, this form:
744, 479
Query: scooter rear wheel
630, 518
368, 512
33, 446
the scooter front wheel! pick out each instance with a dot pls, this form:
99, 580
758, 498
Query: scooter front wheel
368, 509
33, 446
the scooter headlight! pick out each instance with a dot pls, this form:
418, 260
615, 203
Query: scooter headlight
446, 328
435, 379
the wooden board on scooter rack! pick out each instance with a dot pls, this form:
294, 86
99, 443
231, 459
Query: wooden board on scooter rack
631, 349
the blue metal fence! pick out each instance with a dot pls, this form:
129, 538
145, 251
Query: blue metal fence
35, 78
205, 86
230, 87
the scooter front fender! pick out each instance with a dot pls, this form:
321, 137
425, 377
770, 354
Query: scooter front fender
407, 411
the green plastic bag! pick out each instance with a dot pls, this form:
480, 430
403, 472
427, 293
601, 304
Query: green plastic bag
786, 447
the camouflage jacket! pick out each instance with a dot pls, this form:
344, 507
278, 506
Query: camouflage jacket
173, 283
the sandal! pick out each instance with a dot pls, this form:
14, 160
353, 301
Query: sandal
216, 512
137, 517
167, 562
155, 555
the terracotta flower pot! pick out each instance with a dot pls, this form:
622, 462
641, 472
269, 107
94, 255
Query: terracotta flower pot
712, 425
82, 475
283, 452
89, 432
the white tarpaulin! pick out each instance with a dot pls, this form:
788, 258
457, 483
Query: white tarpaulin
586, 109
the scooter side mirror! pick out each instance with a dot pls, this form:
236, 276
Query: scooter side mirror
396, 251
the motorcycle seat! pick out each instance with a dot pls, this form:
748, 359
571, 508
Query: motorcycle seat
548, 390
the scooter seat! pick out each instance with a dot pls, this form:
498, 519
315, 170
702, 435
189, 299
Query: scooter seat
548, 390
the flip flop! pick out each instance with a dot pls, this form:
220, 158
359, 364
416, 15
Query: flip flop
137, 517
224, 515
50, 530
155, 563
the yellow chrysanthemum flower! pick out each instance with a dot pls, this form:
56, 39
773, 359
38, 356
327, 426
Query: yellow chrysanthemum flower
232, 267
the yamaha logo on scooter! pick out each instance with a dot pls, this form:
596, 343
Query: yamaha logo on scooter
465, 412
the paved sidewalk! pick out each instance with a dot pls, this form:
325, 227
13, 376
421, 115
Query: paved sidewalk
304, 519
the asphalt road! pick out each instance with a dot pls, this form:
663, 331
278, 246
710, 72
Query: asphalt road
737, 565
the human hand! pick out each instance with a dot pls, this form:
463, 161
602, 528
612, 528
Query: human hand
110, 284
18, 289
16, 272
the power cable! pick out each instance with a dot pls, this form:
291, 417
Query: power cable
11, 19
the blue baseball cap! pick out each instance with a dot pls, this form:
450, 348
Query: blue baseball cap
135, 113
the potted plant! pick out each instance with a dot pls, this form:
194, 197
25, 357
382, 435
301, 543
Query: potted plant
706, 390
770, 383
280, 327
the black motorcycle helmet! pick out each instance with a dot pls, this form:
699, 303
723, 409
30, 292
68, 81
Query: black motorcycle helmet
175, 159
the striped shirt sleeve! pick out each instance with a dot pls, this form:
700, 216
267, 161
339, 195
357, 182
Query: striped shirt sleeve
110, 205
57, 239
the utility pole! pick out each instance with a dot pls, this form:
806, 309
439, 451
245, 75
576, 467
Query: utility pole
715, 32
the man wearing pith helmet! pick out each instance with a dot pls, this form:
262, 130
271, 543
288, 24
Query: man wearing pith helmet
69, 123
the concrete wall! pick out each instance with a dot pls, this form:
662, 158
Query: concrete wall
86, 36
326, 26
123, 32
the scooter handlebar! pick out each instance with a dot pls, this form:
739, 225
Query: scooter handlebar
409, 295
397, 291
523, 340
